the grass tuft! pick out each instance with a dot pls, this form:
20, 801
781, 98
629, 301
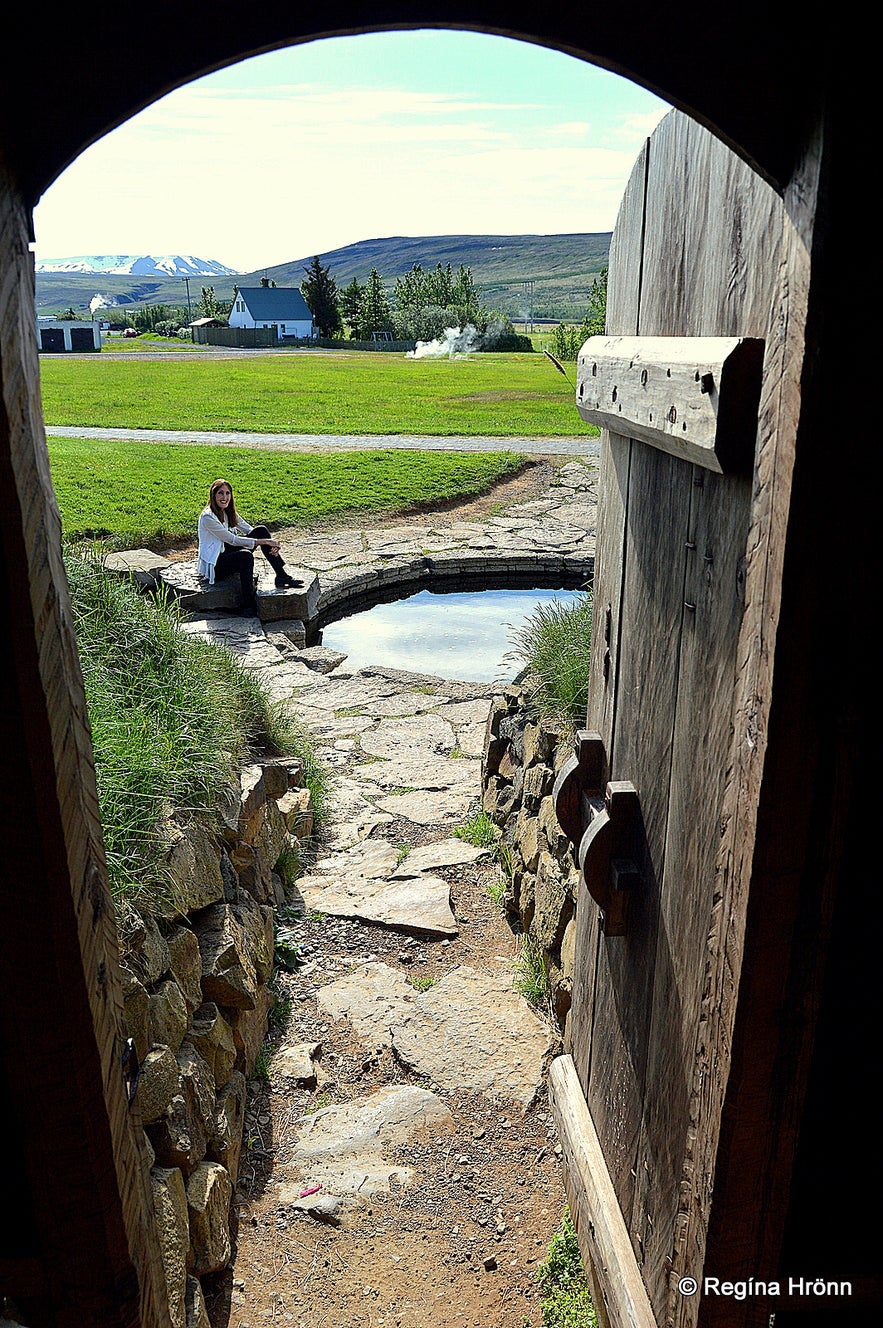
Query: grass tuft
479, 830
423, 983
566, 1301
554, 643
531, 980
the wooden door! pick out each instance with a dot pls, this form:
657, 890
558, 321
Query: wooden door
697, 252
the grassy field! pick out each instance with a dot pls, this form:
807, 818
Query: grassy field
152, 493
341, 392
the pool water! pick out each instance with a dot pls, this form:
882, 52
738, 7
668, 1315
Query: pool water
460, 635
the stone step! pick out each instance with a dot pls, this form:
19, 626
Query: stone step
274, 605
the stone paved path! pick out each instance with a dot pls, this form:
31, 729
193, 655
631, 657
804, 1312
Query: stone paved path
400, 1081
583, 445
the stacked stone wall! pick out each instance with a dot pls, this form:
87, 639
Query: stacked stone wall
196, 1002
522, 755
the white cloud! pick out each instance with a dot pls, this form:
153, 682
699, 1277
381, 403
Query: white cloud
258, 176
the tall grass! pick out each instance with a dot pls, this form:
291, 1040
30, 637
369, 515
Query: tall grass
553, 642
173, 720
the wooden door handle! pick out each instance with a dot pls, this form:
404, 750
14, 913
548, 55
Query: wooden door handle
603, 822
607, 854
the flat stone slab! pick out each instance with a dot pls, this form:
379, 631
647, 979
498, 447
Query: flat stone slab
345, 1149
143, 565
417, 904
370, 860
442, 853
283, 672
292, 630
373, 998
472, 1031
442, 807
282, 605
414, 734
411, 770
274, 605
321, 659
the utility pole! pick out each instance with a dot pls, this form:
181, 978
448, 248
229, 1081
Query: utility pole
186, 281
527, 287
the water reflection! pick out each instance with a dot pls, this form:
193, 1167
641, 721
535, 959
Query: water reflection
460, 635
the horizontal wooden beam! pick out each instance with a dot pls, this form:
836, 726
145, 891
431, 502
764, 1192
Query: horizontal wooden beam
600, 1226
693, 397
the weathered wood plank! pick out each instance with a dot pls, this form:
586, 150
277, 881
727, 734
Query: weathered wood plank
754, 974
622, 317
594, 1203
722, 251
695, 397
87, 1217
651, 612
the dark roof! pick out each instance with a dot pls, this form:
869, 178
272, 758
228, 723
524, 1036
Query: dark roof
274, 302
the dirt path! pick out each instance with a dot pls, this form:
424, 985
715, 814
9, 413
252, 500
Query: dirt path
460, 1246
458, 1241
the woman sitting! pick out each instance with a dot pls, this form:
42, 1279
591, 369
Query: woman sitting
226, 542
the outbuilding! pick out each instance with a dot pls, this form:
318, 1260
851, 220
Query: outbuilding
277, 307
62, 334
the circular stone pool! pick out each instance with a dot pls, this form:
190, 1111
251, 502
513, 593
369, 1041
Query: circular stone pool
462, 635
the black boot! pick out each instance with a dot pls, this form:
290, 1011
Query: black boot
286, 582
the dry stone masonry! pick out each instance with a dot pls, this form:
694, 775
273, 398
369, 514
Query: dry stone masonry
522, 755
196, 1000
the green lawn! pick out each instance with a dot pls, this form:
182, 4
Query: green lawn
343, 392
152, 493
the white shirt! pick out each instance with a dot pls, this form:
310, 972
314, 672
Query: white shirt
213, 535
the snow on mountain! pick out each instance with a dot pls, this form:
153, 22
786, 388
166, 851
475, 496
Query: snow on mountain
172, 265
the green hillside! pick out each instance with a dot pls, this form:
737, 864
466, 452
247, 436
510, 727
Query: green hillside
561, 267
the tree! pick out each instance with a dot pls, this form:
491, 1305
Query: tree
426, 304
597, 316
351, 306
376, 315
567, 339
211, 307
320, 292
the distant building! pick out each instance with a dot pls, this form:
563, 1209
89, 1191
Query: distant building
272, 307
61, 334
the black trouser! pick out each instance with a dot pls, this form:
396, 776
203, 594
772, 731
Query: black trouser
234, 561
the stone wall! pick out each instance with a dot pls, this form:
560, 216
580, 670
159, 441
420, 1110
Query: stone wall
522, 755
196, 1001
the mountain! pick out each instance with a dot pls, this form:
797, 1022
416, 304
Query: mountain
561, 269
175, 265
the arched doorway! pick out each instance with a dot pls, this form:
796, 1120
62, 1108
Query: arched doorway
776, 127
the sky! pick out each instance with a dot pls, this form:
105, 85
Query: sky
353, 138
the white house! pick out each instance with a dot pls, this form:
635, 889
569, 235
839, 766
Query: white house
272, 306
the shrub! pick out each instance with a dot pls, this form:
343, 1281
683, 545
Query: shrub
173, 720
554, 643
